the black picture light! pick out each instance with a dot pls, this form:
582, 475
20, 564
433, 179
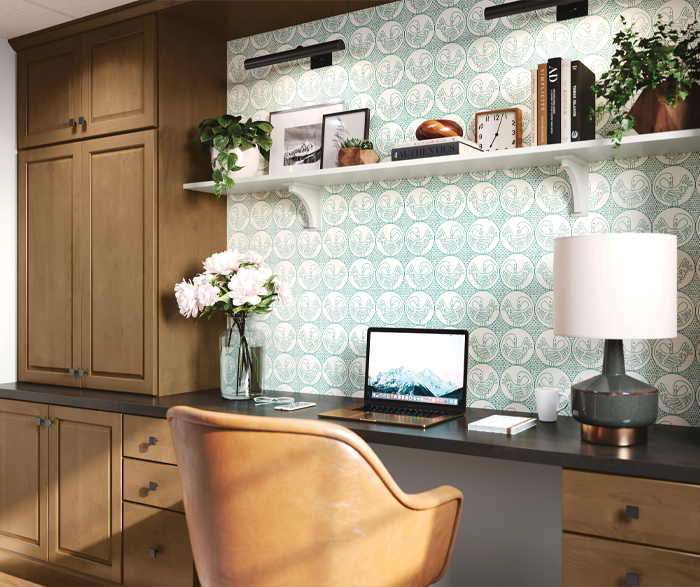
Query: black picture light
321, 55
566, 9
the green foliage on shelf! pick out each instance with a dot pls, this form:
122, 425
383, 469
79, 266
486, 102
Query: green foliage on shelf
351, 144
228, 132
367, 145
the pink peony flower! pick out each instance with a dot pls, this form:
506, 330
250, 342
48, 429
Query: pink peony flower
223, 263
207, 294
187, 300
252, 257
284, 294
248, 285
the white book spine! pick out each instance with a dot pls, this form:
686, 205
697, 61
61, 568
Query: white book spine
462, 140
533, 107
566, 100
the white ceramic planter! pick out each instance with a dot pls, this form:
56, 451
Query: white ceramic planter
248, 159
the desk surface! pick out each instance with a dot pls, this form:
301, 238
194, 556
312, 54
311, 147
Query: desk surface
672, 453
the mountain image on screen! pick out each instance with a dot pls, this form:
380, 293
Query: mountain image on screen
406, 382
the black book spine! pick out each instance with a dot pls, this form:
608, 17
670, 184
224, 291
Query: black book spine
405, 153
576, 112
554, 101
587, 102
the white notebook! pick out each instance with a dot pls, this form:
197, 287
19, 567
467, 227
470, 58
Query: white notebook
502, 424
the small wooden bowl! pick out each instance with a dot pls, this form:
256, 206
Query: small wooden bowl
348, 157
436, 129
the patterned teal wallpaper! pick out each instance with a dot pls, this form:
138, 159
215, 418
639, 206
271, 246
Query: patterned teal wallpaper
472, 250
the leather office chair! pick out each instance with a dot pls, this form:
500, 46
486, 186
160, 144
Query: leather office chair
284, 502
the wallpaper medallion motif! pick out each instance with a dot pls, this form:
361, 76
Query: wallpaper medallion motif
470, 250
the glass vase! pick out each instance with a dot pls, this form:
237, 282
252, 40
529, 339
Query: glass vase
235, 360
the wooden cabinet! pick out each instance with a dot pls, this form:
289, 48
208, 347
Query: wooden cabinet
148, 439
24, 478
153, 484
48, 93
628, 531
98, 83
49, 259
85, 494
105, 224
118, 249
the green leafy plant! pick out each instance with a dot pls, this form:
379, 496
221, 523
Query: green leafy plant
228, 132
367, 145
666, 56
351, 144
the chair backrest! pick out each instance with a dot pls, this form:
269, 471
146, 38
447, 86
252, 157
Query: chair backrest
289, 501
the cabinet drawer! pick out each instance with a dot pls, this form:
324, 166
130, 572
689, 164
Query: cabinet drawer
668, 514
138, 430
170, 563
138, 477
600, 562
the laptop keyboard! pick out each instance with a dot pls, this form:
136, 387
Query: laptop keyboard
401, 411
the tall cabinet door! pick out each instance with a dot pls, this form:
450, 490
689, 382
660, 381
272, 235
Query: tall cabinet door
118, 252
85, 491
119, 89
49, 329
48, 93
23, 478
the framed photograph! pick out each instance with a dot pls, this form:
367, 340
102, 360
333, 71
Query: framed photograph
297, 137
339, 127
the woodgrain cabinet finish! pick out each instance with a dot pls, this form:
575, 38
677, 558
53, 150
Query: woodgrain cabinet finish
148, 439
85, 495
154, 484
49, 336
24, 478
48, 93
118, 204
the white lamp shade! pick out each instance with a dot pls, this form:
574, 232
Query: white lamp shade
615, 286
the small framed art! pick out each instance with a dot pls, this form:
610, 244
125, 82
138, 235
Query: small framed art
339, 127
297, 137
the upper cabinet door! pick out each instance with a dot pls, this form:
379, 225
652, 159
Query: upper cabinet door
119, 78
48, 93
49, 329
118, 252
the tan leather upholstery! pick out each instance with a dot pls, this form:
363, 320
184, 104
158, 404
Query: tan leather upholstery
284, 502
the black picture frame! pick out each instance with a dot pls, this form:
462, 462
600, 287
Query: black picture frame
354, 120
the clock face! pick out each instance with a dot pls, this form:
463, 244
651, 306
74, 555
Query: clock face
497, 130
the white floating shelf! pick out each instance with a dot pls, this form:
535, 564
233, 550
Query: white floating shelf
573, 157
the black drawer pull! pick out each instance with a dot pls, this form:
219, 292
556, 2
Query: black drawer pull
152, 485
632, 512
152, 440
81, 120
152, 552
632, 579
71, 122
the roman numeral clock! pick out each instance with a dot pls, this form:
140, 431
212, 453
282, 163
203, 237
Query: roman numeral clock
499, 129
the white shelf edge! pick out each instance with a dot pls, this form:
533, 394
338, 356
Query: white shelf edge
573, 157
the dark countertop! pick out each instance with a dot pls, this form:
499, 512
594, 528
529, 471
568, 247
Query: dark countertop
672, 453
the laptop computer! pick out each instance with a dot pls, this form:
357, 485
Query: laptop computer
413, 377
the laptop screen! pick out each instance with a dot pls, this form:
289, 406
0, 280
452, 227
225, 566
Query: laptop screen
421, 366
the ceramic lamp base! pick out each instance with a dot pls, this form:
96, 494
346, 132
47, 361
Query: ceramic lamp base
614, 436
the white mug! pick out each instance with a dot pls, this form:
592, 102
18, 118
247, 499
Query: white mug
548, 400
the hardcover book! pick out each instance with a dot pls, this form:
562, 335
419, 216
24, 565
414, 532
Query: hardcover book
542, 104
554, 101
463, 140
533, 107
439, 150
582, 100
565, 100
502, 424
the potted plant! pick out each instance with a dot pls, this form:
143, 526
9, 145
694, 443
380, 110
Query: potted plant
237, 284
235, 147
665, 68
367, 153
349, 152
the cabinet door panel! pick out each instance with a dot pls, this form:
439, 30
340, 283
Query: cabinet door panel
49, 260
119, 78
23, 479
48, 83
85, 491
118, 291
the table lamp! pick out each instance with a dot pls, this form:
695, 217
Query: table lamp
615, 287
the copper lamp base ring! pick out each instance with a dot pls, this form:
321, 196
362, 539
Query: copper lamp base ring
614, 436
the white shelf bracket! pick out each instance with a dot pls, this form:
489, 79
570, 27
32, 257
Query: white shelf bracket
310, 195
577, 170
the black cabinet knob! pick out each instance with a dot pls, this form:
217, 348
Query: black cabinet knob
152, 440
81, 120
152, 552
632, 579
632, 512
71, 122
152, 485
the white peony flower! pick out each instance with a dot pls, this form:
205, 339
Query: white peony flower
252, 257
207, 294
248, 285
284, 294
223, 263
187, 300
